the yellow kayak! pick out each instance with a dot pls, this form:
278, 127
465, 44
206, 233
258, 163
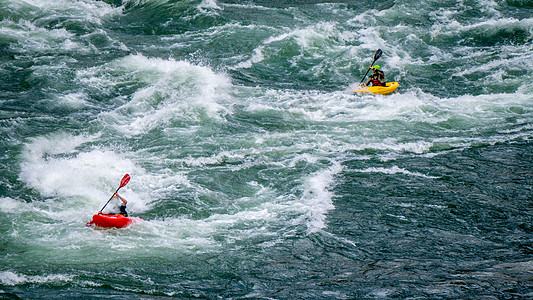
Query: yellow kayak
382, 90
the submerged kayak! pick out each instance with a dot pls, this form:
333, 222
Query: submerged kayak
381, 90
112, 221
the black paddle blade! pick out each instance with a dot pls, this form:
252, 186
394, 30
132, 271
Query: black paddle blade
378, 54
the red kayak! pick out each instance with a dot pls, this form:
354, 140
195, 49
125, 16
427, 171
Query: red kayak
112, 221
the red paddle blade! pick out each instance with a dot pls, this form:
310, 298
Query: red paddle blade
124, 180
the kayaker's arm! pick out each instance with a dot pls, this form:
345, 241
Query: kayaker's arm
122, 207
124, 202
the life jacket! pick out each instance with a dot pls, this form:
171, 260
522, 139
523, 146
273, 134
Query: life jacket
123, 211
378, 79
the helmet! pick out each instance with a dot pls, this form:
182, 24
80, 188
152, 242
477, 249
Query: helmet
376, 67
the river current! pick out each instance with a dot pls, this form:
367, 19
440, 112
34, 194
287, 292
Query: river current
259, 174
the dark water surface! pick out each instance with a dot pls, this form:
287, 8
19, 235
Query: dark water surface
257, 171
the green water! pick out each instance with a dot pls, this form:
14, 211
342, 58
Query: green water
257, 171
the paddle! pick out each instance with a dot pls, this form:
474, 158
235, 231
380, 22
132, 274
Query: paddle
376, 56
123, 182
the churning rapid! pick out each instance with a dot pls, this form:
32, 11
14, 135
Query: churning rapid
257, 171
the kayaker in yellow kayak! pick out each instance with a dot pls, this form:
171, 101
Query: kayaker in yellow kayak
378, 78
122, 207
379, 86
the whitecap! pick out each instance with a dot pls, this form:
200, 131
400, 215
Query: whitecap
11, 278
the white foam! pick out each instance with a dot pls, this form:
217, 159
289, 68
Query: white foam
256, 57
93, 11
32, 37
55, 167
173, 91
74, 101
9, 205
209, 4
317, 197
11, 278
395, 170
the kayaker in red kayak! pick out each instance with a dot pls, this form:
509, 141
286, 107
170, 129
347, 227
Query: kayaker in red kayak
114, 219
377, 79
122, 207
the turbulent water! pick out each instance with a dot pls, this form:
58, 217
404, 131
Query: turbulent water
257, 171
